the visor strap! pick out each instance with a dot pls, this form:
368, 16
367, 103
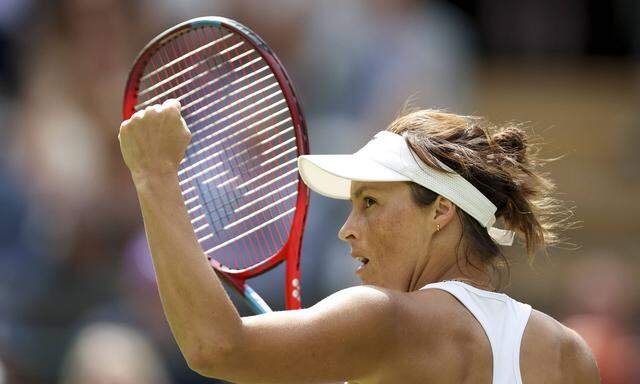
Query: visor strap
391, 151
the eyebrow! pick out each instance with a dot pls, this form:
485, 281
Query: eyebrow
360, 190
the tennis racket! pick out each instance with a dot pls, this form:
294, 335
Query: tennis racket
239, 176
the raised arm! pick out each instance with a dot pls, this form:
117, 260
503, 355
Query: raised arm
200, 314
346, 336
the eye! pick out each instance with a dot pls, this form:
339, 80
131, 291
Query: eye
368, 202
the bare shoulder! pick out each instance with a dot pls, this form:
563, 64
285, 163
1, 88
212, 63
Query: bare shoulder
436, 307
578, 355
362, 307
402, 316
362, 296
565, 355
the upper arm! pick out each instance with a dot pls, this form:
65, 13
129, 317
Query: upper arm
579, 357
346, 336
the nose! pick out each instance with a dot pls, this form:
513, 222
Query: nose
348, 232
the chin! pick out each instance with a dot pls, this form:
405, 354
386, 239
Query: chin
369, 276
374, 282
365, 280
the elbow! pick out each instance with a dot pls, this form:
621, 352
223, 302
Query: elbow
210, 359
201, 363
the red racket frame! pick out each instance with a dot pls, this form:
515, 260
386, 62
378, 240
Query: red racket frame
291, 250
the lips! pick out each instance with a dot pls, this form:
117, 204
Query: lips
361, 259
364, 262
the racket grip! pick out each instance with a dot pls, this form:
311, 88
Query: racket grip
251, 297
257, 304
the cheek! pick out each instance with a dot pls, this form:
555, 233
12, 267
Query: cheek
398, 237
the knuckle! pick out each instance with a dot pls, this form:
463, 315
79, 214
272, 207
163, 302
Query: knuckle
173, 114
151, 110
172, 105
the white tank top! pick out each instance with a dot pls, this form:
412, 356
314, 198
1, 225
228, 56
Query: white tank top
503, 320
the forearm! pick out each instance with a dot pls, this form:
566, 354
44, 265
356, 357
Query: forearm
337, 338
201, 315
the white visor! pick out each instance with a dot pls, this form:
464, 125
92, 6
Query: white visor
388, 158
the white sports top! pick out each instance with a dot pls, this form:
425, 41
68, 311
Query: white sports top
503, 320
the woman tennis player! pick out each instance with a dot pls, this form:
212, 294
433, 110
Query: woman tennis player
426, 195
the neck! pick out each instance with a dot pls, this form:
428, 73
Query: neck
460, 271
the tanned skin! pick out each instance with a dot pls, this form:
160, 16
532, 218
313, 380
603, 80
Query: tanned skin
384, 331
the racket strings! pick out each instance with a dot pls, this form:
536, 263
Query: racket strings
242, 152
239, 175
276, 220
159, 68
209, 157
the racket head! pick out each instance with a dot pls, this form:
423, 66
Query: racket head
200, 62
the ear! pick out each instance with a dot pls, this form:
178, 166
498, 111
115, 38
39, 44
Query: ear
444, 211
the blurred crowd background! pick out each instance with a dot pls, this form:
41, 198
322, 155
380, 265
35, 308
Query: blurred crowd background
78, 302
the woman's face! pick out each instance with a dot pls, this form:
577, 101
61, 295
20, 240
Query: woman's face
388, 232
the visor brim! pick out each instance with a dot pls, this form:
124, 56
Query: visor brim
331, 175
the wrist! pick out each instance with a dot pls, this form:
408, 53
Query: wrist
152, 179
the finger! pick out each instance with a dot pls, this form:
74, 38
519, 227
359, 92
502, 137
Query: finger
154, 108
184, 124
138, 115
172, 103
123, 126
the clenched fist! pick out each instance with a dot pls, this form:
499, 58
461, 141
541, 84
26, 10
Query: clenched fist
153, 140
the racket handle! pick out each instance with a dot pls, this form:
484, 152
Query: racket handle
251, 297
256, 302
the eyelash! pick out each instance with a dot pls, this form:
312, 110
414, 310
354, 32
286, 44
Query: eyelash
367, 200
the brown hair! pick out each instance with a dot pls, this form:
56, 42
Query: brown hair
502, 163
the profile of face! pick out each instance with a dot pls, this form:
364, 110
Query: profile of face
389, 233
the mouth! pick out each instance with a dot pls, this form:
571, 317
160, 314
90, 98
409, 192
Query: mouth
364, 262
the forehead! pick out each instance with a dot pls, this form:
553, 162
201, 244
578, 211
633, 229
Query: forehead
358, 188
